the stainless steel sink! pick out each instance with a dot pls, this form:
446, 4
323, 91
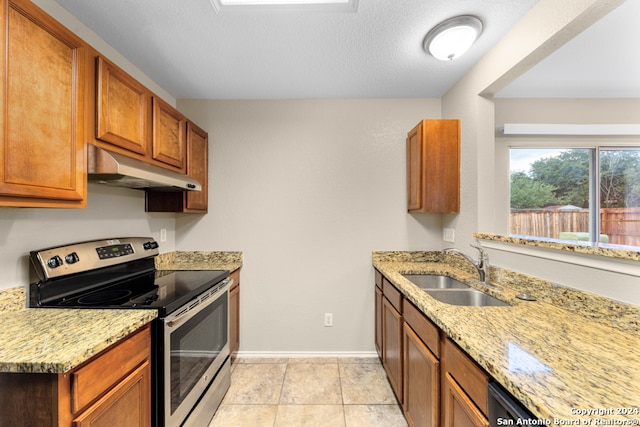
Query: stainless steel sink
468, 297
434, 281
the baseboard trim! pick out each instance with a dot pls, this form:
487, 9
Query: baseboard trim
305, 354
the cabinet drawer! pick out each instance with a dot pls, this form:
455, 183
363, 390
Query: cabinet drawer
103, 372
378, 279
471, 378
392, 294
427, 331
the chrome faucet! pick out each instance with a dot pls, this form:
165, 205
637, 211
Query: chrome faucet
481, 266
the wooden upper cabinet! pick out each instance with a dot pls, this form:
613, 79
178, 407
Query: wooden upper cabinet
122, 109
131, 120
42, 151
169, 135
433, 167
197, 168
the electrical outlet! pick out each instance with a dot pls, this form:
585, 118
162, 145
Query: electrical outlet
163, 235
449, 235
328, 319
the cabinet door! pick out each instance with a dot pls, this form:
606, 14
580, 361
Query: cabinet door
421, 372
414, 168
122, 109
169, 135
197, 168
433, 167
42, 153
378, 320
234, 320
457, 408
234, 313
127, 404
392, 346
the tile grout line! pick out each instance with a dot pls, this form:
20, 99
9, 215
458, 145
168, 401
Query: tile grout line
344, 414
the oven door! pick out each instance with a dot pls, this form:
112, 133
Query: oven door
196, 345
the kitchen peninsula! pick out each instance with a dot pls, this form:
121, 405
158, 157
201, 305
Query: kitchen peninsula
566, 353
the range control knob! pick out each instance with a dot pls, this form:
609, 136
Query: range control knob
72, 258
150, 245
54, 262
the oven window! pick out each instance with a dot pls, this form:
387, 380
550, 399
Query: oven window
194, 346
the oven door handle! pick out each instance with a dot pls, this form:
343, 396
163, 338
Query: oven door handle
191, 308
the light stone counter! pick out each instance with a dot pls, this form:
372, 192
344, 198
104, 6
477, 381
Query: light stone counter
44, 340
199, 260
568, 351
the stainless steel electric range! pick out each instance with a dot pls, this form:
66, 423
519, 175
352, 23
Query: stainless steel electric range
190, 354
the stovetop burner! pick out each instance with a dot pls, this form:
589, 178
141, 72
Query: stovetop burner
114, 273
108, 297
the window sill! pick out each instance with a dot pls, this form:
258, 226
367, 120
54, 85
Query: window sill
603, 256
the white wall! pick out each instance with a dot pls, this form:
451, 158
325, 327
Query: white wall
307, 189
548, 25
110, 212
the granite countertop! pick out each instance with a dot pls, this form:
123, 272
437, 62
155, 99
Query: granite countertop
49, 340
199, 260
44, 340
567, 352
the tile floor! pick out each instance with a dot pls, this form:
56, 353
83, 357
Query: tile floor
309, 392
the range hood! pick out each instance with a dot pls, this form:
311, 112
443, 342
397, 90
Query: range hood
107, 167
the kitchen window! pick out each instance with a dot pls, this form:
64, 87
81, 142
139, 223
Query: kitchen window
569, 193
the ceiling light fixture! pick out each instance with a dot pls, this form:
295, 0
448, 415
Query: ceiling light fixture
452, 38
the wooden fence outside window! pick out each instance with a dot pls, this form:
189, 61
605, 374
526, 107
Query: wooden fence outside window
620, 226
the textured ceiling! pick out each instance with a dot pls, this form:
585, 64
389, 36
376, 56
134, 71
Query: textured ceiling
193, 52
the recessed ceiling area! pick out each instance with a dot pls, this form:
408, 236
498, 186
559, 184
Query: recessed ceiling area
377, 52
284, 6
601, 62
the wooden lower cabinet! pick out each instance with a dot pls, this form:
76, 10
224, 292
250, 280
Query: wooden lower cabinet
392, 346
111, 389
378, 321
124, 405
464, 389
234, 313
458, 410
436, 382
378, 313
421, 382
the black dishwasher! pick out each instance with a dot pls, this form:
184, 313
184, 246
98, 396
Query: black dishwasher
503, 406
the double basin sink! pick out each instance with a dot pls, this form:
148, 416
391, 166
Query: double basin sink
451, 291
